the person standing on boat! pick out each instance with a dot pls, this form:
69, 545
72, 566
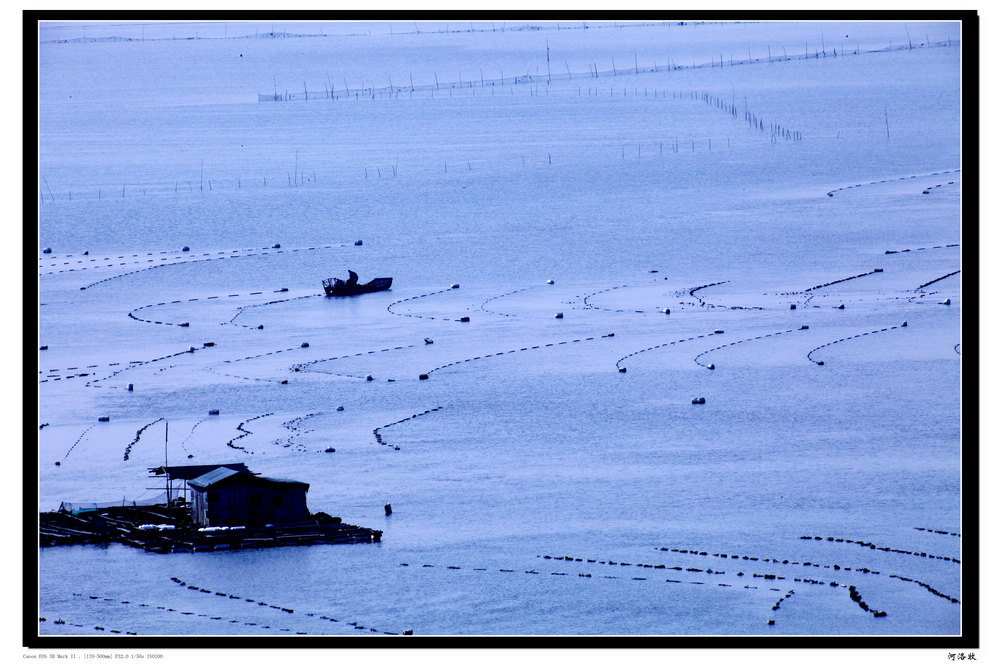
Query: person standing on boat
352, 278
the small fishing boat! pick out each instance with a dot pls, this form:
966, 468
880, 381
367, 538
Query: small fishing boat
351, 286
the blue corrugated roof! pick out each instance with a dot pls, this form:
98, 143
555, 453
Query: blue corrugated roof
221, 474
213, 477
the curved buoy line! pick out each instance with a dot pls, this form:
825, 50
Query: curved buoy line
136, 364
132, 313
73, 446
295, 426
656, 347
875, 547
234, 254
244, 432
841, 340
138, 434
276, 607
523, 349
424, 317
241, 309
483, 308
745, 340
306, 366
590, 306
890, 180
378, 431
837, 568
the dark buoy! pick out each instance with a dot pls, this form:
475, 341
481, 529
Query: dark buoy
340, 408
698, 401
184, 324
903, 324
213, 411
260, 326
803, 327
86, 252
719, 331
877, 270
946, 302
185, 249
550, 282
792, 307
276, 245
209, 344
621, 370
46, 251
423, 376
329, 450
840, 307
464, 319
359, 242
129, 386
284, 382
711, 367
104, 419
388, 509
666, 311
369, 378
44, 347
305, 344
58, 464
454, 286
819, 363
428, 341
559, 316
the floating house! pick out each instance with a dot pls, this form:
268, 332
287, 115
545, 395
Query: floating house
210, 508
228, 497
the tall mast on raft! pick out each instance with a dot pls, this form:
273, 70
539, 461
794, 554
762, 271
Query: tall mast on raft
166, 438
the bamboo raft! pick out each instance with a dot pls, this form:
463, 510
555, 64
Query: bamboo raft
163, 529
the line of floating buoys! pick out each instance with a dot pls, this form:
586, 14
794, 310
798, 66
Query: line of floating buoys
73, 446
937, 247
276, 607
206, 257
939, 532
874, 547
861, 570
701, 301
655, 347
861, 603
841, 340
711, 367
244, 433
369, 377
834, 282
138, 434
889, 180
241, 309
135, 364
377, 432
523, 349
420, 296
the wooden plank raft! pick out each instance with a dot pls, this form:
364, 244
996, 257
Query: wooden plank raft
164, 529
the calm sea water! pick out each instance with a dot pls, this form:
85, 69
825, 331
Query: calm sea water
537, 490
